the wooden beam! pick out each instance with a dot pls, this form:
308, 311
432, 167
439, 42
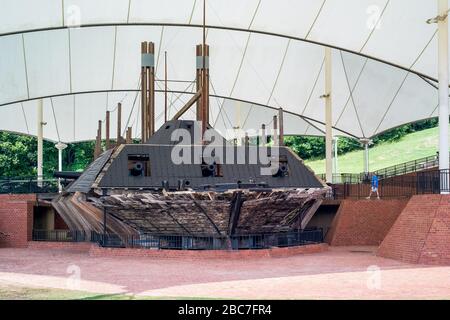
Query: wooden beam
151, 98
187, 105
129, 139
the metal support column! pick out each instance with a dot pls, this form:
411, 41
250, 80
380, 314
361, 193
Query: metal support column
60, 146
443, 91
328, 117
40, 141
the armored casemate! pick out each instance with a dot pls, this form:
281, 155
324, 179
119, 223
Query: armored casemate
186, 179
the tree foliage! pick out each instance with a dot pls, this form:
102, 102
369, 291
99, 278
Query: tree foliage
18, 156
18, 153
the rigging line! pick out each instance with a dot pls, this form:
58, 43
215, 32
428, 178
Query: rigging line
351, 94
114, 58
180, 94
279, 70
129, 10
248, 114
220, 113
218, 103
25, 64
25, 118
404, 79
54, 118
352, 90
314, 126
245, 50
315, 19
314, 87
254, 14
134, 104
159, 49
307, 128
275, 83
375, 26
192, 11
434, 110
170, 105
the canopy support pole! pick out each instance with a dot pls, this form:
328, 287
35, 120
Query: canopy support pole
336, 168
328, 117
40, 142
443, 93
366, 142
60, 146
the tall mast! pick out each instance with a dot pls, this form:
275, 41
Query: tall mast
165, 86
204, 100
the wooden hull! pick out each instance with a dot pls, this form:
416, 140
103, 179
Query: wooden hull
212, 213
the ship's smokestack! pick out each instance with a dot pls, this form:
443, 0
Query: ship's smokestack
147, 90
98, 141
198, 79
203, 70
263, 135
129, 139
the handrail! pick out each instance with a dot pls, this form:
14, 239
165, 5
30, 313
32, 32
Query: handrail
388, 172
185, 242
424, 182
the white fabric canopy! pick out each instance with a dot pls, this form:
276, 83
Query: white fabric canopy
265, 54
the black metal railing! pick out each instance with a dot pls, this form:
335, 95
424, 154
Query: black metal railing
409, 167
433, 182
60, 236
417, 165
32, 185
425, 182
210, 242
185, 242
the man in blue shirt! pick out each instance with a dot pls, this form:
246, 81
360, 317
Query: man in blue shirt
374, 186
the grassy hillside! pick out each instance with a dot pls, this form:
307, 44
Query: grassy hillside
410, 147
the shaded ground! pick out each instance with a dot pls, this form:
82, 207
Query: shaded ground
341, 273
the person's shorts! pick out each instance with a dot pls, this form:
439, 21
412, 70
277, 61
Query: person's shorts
374, 189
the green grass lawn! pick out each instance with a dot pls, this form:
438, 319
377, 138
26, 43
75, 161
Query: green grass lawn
412, 146
12, 292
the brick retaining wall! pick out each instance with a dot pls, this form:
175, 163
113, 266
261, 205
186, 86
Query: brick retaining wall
16, 219
97, 251
363, 222
66, 246
421, 233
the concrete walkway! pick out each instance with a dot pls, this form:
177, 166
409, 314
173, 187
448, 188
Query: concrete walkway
341, 273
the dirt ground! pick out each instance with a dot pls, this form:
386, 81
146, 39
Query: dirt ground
340, 273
